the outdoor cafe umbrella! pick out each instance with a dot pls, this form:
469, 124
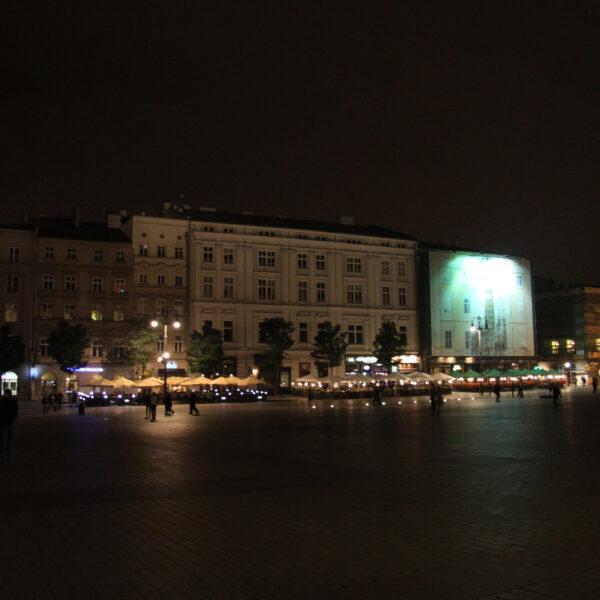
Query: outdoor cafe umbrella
149, 382
251, 380
219, 381
122, 382
420, 376
104, 382
201, 380
491, 373
443, 377
470, 373
308, 379
233, 380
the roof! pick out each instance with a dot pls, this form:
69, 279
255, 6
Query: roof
84, 230
448, 248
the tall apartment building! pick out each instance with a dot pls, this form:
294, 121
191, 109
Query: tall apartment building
246, 268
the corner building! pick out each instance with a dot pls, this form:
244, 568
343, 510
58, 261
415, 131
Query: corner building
245, 268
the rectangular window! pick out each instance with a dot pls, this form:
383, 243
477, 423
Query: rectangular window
161, 279
178, 308
266, 258
119, 287
227, 256
178, 345
207, 286
353, 265
385, 267
178, 280
303, 369
70, 283
48, 282
403, 331
320, 262
385, 295
13, 255
178, 252
354, 294
402, 296
96, 313
228, 331
69, 312
142, 306
570, 345
71, 254
44, 347
49, 252
118, 349
447, 340
143, 279
228, 288
10, 313
143, 249
355, 334
321, 296
120, 257
555, 346
97, 348
118, 314
303, 291
161, 251
401, 269
97, 284
519, 280
266, 289
12, 283
466, 306
160, 345
160, 307
468, 336
302, 333
597, 344
207, 254
302, 261
98, 256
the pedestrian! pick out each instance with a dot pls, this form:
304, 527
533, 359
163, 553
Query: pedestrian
59, 400
497, 391
153, 405
583, 380
9, 409
147, 405
309, 396
439, 399
433, 397
594, 384
555, 395
512, 389
168, 405
192, 400
44, 403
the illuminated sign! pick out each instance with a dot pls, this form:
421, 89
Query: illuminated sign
171, 364
89, 370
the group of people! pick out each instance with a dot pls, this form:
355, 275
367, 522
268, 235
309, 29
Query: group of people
153, 400
52, 402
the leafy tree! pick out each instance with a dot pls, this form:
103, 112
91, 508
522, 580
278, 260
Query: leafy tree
387, 344
329, 345
12, 350
205, 351
67, 345
141, 343
277, 334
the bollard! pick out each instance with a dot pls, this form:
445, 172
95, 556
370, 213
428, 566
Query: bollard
81, 409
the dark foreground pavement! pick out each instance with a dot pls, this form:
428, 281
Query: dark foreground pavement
281, 500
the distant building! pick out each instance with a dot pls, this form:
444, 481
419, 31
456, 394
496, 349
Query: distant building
568, 329
476, 310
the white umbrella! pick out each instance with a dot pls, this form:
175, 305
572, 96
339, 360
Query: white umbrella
308, 379
149, 382
397, 376
251, 380
419, 376
201, 380
443, 377
122, 382
233, 380
103, 383
219, 381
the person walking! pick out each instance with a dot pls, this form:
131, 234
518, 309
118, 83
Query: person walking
594, 384
147, 405
555, 395
433, 397
9, 409
153, 405
168, 405
497, 391
59, 401
520, 389
192, 401
309, 396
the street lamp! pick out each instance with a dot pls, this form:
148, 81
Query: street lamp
479, 330
165, 355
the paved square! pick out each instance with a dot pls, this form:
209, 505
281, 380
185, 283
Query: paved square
280, 500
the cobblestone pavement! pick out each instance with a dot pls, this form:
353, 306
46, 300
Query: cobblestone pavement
282, 500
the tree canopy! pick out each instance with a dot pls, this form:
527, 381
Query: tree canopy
276, 333
12, 350
141, 343
329, 345
67, 345
387, 344
205, 351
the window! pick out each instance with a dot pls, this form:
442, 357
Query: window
385, 267
120, 286
321, 297
160, 307
467, 306
96, 313
142, 306
97, 348
320, 262
207, 286
120, 257
355, 334
118, 349
403, 331
178, 280
12, 283
468, 336
228, 287
10, 313
554, 345
178, 308
401, 269
266, 258
447, 340
97, 284
519, 280
207, 254
302, 333
446, 276
178, 252
70, 283
161, 251
597, 344
302, 261
207, 323
49, 252
402, 296
353, 265
447, 301
44, 347
228, 331
354, 294
161, 279
143, 249
227, 256
118, 313
303, 291
98, 256
303, 369
266, 289
71, 254
385, 295
160, 345
570, 345
48, 282
13, 254
178, 344
143, 278
69, 312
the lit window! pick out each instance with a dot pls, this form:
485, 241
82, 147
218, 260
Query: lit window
266, 289
302, 261
354, 294
570, 345
554, 346
447, 340
402, 296
303, 291
96, 313
207, 286
10, 313
120, 286
353, 265
46, 310
355, 334
597, 344
69, 312
118, 314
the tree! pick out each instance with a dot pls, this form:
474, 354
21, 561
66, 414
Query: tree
276, 333
205, 351
387, 344
67, 345
12, 350
329, 345
141, 343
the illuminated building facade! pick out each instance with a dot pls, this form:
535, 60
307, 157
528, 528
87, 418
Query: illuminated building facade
476, 309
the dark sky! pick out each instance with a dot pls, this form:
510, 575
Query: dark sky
472, 122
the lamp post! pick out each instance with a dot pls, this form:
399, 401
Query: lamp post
165, 355
479, 331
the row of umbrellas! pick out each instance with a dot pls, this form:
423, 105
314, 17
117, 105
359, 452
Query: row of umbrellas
150, 382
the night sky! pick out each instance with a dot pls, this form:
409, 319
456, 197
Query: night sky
471, 123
